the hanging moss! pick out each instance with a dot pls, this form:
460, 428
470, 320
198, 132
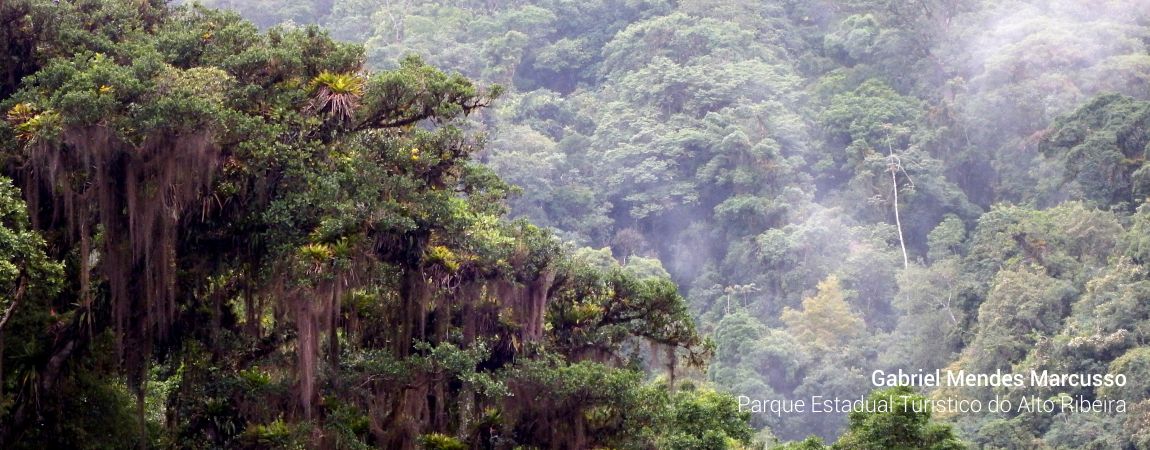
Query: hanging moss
303, 250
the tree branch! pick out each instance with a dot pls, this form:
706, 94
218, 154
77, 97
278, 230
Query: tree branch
15, 303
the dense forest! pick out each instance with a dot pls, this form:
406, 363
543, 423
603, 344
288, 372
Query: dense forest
570, 224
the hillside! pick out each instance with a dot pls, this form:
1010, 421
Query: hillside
573, 224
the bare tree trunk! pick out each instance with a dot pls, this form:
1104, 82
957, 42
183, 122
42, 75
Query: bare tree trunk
4, 322
140, 413
1, 366
897, 222
21, 415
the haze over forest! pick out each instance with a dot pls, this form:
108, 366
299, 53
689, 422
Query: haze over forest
570, 224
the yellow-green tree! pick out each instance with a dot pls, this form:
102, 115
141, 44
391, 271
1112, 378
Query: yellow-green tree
825, 321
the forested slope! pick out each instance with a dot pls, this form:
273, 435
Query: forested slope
244, 239
837, 187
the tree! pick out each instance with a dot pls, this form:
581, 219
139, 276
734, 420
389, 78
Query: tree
29, 282
1023, 305
904, 426
1102, 148
825, 321
279, 247
702, 419
902, 422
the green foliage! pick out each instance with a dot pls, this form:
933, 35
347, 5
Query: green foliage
620, 411
868, 119
296, 241
92, 413
947, 239
931, 316
375, 259
702, 419
825, 321
901, 423
1022, 305
276, 434
902, 427
25, 269
436, 441
30, 280
810, 443
1134, 364
1102, 146
596, 311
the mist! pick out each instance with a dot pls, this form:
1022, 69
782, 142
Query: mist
835, 188
744, 145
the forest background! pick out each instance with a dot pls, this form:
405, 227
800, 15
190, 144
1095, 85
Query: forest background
834, 187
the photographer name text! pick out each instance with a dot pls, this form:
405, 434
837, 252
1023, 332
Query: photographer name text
961, 378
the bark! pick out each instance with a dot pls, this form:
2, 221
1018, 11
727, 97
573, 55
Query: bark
894, 166
23, 412
8, 313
